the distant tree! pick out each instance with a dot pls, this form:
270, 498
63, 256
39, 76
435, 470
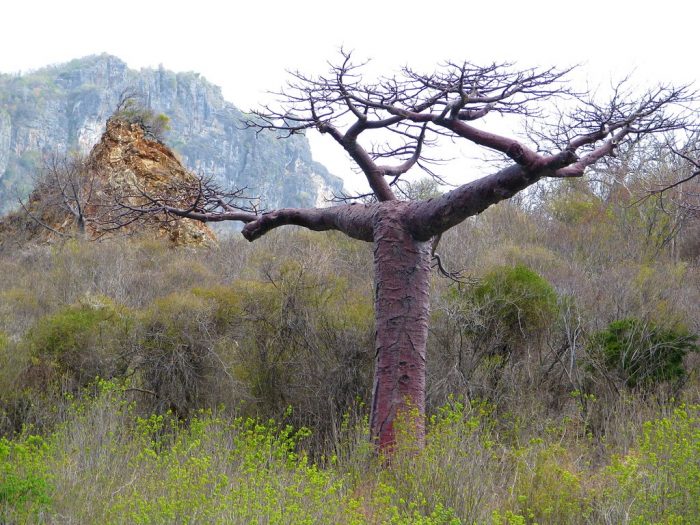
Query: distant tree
132, 108
407, 115
672, 194
650, 186
63, 193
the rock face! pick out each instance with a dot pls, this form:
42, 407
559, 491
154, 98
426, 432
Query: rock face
64, 108
124, 163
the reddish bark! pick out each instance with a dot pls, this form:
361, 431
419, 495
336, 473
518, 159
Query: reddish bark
354, 220
401, 266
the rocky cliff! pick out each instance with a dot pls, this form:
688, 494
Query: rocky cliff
65, 107
79, 200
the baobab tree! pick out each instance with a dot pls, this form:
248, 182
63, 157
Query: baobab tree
409, 115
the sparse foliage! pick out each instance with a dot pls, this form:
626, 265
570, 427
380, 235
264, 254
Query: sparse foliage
132, 109
410, 113
65, 189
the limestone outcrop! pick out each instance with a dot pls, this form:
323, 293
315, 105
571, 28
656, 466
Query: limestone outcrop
122, 167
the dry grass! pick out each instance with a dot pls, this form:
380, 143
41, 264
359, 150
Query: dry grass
527, 428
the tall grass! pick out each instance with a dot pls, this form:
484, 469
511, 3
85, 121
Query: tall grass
106, 464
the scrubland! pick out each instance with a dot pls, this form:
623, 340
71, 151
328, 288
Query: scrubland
144, 384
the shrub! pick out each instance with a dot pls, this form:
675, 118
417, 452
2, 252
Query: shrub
3, 342
518, 297
131, 109
642, 353
19, 307
659, 481
82, 341
546, 486
510, 306
575, 207
483, 332
451, 479
106, 465
25, 481
257, 477
177, 357
297, 338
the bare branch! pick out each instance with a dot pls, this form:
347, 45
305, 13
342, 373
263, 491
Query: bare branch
411, 112
352, 219
199, 199
41, 223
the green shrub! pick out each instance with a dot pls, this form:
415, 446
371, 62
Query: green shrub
642, 353
106, 465
546, 488
257, 477
25, 481
510, 306
577, 207
659, 481
450, 480
520, 298
227, 302
132, 110
390, 506
82, 341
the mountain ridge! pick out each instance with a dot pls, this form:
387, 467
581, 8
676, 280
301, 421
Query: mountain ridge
64, 107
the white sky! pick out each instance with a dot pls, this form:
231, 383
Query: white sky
245, 47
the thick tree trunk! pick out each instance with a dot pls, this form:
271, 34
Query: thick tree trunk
402, 268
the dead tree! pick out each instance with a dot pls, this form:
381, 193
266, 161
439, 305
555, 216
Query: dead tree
409, 115
683, 188
63, 195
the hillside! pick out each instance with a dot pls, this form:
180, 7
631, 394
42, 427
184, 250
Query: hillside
64, 108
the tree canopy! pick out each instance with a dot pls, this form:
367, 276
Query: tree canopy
393, 124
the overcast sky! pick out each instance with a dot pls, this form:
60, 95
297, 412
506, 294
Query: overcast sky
245, 47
